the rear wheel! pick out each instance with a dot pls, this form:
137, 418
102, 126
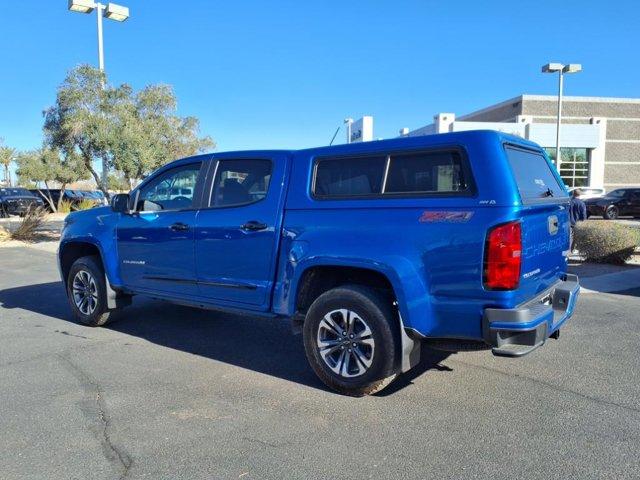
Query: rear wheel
87, 292
3, 212
351, 340
611, 213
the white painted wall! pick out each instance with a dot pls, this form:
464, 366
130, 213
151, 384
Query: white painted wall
518, 129
362, 130
571, 135
596, 174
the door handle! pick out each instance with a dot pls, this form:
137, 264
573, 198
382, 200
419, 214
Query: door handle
253, 226
179, 227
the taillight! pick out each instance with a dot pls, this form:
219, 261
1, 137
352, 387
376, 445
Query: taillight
502, 257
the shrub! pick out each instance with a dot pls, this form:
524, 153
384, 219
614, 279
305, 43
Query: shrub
27, 229
85, 204
65, 207
606, 242
4, 234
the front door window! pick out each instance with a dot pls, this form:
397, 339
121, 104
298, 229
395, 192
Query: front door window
172, 190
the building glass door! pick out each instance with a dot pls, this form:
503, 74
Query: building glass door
574, 165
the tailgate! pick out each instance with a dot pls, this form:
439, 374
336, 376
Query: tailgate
545, 220
545, 244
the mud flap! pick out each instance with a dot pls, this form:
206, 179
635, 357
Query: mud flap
410, 349
115, 299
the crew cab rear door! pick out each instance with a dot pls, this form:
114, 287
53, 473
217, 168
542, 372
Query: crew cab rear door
544, 216
238, 229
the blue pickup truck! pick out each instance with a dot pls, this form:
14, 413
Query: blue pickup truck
456, 241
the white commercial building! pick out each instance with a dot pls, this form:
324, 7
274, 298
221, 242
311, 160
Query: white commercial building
599, 138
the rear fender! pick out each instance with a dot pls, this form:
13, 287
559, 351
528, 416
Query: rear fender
404, 279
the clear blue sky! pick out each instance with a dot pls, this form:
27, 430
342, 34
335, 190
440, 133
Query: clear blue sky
283, 74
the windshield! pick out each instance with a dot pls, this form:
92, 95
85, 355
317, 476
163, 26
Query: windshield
616, 193
12, 192
533, 175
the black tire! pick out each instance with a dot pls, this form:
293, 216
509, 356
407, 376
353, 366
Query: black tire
373, 310
3, 212
611, 212
99, 314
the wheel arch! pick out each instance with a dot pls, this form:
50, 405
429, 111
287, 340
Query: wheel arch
314, 280
72, 250
402, 278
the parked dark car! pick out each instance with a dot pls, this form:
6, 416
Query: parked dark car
74, 197
617, 203
17, 201
55, 196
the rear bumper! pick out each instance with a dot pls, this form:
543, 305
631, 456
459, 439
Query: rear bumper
517, 331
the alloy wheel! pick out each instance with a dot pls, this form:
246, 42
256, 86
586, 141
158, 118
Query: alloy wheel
345, 343
85, 292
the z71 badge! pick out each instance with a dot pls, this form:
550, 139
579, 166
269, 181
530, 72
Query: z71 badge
430, 217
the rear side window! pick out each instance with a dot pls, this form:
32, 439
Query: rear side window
434, 172
240, 182
393, 175
533, 175
349, 177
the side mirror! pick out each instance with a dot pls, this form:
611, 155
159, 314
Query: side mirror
120, 203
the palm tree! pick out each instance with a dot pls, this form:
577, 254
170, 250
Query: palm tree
7, 155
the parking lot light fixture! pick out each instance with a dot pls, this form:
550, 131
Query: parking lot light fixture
116, 12
572, 68
82, 6
561, 70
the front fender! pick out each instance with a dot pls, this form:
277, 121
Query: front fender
98, 231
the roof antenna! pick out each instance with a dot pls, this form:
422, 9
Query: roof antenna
334, 136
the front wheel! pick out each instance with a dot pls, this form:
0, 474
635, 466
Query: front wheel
87, 292
351, 340
611, 213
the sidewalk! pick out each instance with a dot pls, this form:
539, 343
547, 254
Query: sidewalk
602, 278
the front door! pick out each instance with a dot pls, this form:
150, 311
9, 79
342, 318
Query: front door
155, 243
237, 234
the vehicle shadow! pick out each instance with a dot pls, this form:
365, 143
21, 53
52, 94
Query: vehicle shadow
264, 345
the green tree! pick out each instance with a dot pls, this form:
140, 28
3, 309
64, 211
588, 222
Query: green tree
134, 132
7, 157
47, 165
76, 124
146, 133
118, 182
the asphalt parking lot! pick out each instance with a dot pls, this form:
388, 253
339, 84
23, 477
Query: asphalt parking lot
168, 392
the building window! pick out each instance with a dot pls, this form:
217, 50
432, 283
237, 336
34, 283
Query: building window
574, 165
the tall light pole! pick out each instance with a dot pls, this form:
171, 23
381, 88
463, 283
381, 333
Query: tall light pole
112, 12
561, 69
